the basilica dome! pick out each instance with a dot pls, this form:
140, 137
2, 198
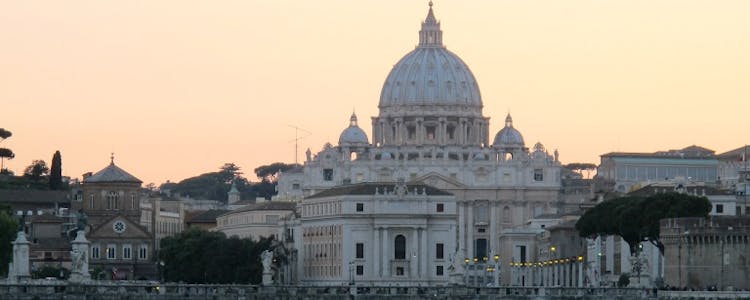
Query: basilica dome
353, 135
508, 137
430, 75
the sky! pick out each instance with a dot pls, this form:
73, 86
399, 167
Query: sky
176, 88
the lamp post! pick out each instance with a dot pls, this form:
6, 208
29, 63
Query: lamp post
496, 258
476, 262
466, 271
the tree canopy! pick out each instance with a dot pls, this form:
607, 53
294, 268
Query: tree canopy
4, 134
636, 219
36, 170
8, 228
199, 256
270, 173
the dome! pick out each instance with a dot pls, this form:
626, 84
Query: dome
353, 135
430, 74
508, 137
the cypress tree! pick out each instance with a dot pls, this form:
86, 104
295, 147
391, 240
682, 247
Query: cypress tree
55, 175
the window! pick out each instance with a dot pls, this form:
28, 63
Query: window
111, 254
360, 249
481, 248
360, 270
431, 132
295, 186
127, 252
719, 208
111, 200
439, 251
440, 207
132, 201
439, 270
95, 252
328, 174
399, 271
399, 247
538, 174
360, 207
143, 252
91, 201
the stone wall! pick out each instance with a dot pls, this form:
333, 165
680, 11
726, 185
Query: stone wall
703, 252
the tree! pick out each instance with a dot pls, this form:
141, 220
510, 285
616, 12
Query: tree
580, 167
8, 228
199, 256
36, 170
270, 173
55, 175
636, 219
5, 153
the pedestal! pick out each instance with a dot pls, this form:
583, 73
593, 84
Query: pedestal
267, 280
20, 267
79, 256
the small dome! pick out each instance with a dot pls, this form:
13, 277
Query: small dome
353, 135
508, 137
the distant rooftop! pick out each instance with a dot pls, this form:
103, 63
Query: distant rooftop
690, 152
112, 173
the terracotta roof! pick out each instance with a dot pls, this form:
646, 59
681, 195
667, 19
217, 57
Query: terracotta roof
690, 152
112, 173
369, 188
735, 154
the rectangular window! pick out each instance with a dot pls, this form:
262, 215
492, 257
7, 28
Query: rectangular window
439, 251
360, 250
91, 201
719, 208
360, 207
440, 207
360, 270
111, 251
95, 252
143, 252
127, 252
439, 270
328, 174
538, 174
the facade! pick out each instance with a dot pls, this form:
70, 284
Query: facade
255, 220
430, 129
707, 252
120, 247
628, 169
731, 163
377, 234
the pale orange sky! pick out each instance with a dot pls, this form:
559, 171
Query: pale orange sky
177, 88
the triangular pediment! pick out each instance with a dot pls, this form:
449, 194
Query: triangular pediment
440, 181
109, 230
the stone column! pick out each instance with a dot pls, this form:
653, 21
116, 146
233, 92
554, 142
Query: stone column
415, 255
580, 273
80, 258
495, 249
21, 267
461, 228
470, 230
377, 258
425, 257
386, 255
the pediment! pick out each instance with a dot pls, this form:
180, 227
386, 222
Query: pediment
440, 181
107, 230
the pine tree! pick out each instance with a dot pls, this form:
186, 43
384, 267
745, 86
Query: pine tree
55, 176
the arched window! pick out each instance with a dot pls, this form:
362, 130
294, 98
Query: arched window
400, 247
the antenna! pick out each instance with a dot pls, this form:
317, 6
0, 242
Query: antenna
297, 137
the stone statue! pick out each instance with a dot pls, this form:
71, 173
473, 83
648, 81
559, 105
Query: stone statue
308, 154
78, 258
266, 258
82, 220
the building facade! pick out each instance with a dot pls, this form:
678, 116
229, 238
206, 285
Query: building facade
628, 169
378, 234
430, 129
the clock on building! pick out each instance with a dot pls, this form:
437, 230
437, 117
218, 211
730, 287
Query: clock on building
119, 226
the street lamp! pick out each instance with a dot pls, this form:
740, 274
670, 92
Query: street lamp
466, 271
